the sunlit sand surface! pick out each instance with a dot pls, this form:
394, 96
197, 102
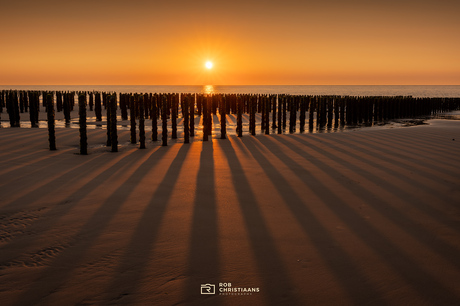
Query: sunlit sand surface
368, 217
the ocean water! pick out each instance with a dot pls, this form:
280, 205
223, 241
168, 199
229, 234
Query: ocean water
432, 91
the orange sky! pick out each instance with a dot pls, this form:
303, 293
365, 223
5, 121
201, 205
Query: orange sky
250, 42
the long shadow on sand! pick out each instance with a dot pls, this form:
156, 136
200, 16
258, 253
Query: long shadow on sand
415, 275
203, 259
54, 276
347, 273
133, 263
367, 156
278, 286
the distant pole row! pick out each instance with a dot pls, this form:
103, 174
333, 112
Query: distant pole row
323, 112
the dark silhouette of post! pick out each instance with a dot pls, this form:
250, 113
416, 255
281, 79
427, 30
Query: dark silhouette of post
141, 123
113, 123
239, 119
132, 116
223, 119
205, 110
98, 106
50, 113
185, 114
154, 116
192, 115
174, 107
164, 118
82, 121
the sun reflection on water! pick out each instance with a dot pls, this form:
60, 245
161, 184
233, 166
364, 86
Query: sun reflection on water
208, 89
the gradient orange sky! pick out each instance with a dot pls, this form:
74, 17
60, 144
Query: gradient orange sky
250, 42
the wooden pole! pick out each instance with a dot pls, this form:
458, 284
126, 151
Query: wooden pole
50, 113
164, 118
141, 123
82, 121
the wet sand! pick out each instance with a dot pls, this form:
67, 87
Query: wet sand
365, 217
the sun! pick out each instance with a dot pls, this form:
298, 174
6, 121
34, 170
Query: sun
208, 65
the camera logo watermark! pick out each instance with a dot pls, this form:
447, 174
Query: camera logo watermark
208, 289
228, 289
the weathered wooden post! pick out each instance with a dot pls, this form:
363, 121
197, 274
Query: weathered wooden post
192, 115
223, 119
91, 101
109, 122
98, 106
284, 111
82, 121
164, 118
132, 117
292, 115
311, 113
185, 114
280, 106
154, 116
330, 112
252, 114
267, 114
239, 119
113, 123
205, 110
302, 115
50, 113
261, 108
141, 123
275, 101
174, 107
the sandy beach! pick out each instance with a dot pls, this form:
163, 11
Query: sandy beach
365, 217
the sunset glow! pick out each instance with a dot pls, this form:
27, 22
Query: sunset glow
208, 65
327, 42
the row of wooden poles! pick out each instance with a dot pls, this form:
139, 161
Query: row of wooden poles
329, 110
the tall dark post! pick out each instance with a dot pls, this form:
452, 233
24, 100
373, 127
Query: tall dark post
98, 106
132, 116
239, 119
223, 119
262, 103
267, 114
274, 112
109, 121
50, 113
336, 112
292, 115
17, 119
66, 108
192, 115
284, 112
185, 114
141, 123
302, 115
174, 107
280, 103
82, 121
33, 108
252, 115
113, 125
205, 110
311, 112
91, 101
164, 118
154, 116
330, 112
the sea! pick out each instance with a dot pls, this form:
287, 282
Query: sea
431, 91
